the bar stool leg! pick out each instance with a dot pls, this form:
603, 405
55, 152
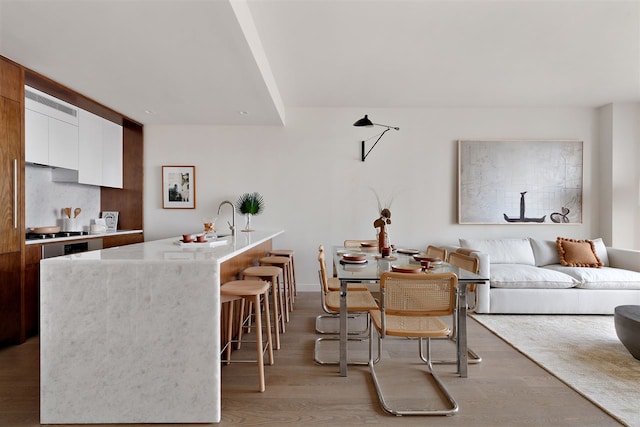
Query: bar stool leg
270, 274
259, 347
230, 330
256, 306
275, 283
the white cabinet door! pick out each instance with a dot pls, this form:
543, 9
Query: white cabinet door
63, 144
111, 154
36, 137
100, 151
90, 149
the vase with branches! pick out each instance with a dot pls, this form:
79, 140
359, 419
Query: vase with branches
382, 221
250, 204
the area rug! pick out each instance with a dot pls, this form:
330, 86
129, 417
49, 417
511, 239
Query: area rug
582, 351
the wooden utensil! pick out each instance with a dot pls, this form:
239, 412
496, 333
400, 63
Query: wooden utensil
67, 212
76, 212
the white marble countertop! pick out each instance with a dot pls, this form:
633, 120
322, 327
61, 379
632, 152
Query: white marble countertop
83, 237
170, 250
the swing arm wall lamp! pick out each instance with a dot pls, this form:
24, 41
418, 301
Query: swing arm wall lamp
368, 123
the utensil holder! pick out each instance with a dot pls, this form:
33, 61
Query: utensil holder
69, 224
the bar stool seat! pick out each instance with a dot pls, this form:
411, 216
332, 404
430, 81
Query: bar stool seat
271, 274
288, 253
253, 291
285, 264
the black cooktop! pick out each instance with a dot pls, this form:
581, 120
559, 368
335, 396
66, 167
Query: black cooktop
44, 236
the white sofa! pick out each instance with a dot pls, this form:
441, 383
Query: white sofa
526, 277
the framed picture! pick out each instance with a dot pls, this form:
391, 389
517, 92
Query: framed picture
520, 181
110, 220
178, 187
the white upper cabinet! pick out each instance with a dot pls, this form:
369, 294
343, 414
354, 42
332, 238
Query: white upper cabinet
100, 151
36, 134
87, 147
51, 130
90, 149
111, 154
63, 144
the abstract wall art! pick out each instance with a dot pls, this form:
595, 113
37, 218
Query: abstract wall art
520, 181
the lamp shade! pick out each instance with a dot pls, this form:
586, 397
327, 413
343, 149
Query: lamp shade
364, 122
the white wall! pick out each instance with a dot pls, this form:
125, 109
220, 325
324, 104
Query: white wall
45, 198
318, 190
619, 176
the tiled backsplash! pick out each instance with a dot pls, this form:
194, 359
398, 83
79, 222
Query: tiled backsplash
44, 199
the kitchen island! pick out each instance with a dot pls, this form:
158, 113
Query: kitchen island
132, 334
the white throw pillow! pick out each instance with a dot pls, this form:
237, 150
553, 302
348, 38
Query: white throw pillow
545, 251
601, 251
528, 276
503, 251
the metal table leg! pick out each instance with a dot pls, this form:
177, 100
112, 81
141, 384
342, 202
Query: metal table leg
461, 341
343, 328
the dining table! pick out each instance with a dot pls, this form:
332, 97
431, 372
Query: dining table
370, 270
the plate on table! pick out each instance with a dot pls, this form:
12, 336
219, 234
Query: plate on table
345, 262
431, 259
354, 266
406, 268
354, 257
408, 251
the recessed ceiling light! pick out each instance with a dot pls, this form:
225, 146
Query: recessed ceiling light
149, 111
243, 113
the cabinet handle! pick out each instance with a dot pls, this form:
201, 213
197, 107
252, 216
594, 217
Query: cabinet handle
15, 193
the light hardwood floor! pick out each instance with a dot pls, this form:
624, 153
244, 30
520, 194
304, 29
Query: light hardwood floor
506, 389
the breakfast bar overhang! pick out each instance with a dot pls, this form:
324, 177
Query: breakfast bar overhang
132, 334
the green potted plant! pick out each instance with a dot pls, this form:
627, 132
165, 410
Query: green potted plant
250, 204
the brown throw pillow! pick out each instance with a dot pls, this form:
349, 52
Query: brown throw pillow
577, 253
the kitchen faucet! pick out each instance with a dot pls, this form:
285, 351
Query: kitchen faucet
232, 226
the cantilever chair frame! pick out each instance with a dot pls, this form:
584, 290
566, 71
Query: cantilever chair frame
437, 298
360, 335
325, 287
470, 263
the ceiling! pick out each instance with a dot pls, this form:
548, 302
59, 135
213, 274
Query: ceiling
210, 61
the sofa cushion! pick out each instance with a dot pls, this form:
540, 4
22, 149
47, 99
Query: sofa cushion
577, 253
544, 251
503, 251
600, 278
529, 276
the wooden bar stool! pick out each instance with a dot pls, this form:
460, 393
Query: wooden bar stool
288, 253
252, 291
285, 264
228, 334
270, 274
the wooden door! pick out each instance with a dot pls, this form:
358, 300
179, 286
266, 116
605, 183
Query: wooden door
10, 176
